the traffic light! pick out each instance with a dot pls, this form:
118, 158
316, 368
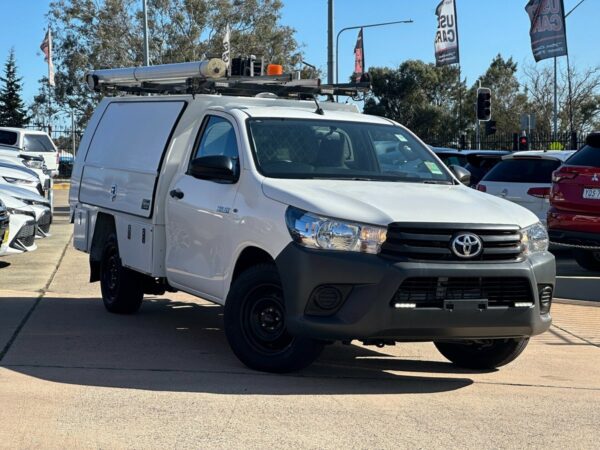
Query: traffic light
490, 127
484, 104
523, 143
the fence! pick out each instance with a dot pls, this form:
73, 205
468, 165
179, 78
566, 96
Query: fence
508, 141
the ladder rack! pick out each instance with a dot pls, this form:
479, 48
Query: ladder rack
206, 77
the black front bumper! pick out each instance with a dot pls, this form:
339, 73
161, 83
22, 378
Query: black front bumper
369, 283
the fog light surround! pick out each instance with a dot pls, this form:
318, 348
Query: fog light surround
327, 299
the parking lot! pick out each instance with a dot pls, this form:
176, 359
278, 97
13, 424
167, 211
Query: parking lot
72, 375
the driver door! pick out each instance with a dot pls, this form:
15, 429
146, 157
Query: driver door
200, 216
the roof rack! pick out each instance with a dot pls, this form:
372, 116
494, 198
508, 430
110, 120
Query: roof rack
210, 77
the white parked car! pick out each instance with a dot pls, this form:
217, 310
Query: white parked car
4, 228
36, 164
22, 226
525, 178
33, 143
40, 205
15, 175
284, 212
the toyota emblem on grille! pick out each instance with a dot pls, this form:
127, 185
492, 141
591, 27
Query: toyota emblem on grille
466, 245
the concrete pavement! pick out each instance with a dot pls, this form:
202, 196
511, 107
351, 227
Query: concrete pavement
73, 375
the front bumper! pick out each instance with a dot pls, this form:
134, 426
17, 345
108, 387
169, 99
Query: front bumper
369, 283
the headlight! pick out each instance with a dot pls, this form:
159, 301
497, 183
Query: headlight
33, 164
325, 233
17, 180
535, 238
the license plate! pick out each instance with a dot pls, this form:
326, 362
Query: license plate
5, 237
593, 194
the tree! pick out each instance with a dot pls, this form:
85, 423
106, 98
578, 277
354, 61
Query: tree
94, 34
421, 96
508, 102
12, 108
583, 105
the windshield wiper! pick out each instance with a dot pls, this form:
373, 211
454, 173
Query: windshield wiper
437, 182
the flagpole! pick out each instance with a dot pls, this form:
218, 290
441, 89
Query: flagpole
459, 106
337, 39
48, 103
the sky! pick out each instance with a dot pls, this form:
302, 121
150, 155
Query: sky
486, 28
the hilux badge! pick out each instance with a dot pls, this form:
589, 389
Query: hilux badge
466, 245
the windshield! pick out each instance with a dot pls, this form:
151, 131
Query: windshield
326, 149
37, 143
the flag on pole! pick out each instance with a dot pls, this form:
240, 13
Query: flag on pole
46, 48
446, 37
226, 57
547, 31
359, 57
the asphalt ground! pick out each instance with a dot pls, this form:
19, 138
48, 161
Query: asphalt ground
74, 376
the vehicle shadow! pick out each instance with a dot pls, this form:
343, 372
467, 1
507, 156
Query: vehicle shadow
4, 264
180, 346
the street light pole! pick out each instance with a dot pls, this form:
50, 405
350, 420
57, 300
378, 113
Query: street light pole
337, 41
146, 52
330, 27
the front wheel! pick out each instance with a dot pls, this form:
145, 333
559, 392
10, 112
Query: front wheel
122, 288
255, 324
482, 354
588, 259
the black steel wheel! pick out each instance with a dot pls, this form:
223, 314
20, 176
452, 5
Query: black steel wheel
255, 324
122, 288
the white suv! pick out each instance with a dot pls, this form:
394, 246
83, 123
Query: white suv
32, 143
309, 223
525, 178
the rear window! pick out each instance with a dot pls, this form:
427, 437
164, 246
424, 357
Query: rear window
587, 156
37, 143
8, 137
523, 171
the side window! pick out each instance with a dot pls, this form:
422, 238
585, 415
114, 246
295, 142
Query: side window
218, 138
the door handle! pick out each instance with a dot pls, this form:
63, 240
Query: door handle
176, 193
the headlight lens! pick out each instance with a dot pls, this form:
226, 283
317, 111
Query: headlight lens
17, 180
535, 238
33, 164
313, 231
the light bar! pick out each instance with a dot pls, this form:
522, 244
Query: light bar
405, 305
164, 73
523, 304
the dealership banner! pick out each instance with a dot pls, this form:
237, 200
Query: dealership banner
548, 33
446, 37
359, 56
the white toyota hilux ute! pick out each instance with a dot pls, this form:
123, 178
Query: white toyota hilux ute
310, 225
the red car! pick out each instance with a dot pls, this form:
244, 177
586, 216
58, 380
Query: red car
574, 215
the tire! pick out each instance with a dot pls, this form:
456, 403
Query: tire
483, 354
122, 288
588, 259
255, 324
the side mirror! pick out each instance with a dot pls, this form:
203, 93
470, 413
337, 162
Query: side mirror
463, 175
218, 168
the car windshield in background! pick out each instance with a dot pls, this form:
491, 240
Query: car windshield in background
37, 143
587, 156
304, 148
523, 171
8, 137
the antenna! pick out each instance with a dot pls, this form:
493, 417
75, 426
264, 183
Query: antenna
319, 110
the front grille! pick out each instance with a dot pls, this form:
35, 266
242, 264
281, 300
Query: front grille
40, 189
430, 292
431, 242
44, 222
26, 235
